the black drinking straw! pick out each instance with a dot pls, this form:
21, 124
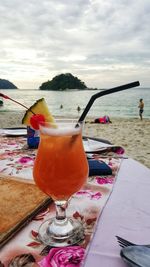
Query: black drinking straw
106, 92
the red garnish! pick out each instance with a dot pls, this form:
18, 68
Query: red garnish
36, 119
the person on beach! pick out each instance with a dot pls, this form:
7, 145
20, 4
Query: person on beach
141, 108
102, 120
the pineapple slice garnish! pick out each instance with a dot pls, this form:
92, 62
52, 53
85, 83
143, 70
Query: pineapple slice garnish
38, 108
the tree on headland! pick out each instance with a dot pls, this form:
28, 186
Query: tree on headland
5, 84
63, 82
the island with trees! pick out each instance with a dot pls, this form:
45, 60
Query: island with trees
5, 84
63, 82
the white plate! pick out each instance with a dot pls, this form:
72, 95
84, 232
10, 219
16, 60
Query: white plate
92, 145
13, 132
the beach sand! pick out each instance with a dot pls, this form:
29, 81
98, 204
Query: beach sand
132, 134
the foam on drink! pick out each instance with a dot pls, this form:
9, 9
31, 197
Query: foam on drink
55, 130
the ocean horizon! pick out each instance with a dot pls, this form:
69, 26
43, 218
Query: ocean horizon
123, 104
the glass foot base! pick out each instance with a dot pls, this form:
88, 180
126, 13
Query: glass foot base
61, 234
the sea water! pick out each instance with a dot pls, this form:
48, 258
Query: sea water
123, 104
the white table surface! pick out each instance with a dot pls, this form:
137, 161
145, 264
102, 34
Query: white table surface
126, 214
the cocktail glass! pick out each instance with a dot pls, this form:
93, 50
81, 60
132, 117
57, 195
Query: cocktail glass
60, 170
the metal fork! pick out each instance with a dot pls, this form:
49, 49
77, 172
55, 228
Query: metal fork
125, 243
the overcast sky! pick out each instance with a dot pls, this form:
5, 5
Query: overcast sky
104, 43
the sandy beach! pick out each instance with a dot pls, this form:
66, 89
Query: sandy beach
133, 134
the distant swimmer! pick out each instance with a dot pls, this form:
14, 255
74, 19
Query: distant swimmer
78, 109
61, 106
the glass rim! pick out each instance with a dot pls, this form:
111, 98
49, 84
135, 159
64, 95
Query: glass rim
61, 121
61, 127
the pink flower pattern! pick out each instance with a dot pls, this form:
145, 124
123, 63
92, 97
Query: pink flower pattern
63, 257
24, 160
15, 157
90, 194
104, 180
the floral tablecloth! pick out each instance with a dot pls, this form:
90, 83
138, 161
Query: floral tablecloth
86, 205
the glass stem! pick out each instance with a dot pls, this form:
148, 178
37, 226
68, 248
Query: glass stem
61, 206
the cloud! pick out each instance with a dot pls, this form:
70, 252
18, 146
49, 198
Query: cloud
92, 39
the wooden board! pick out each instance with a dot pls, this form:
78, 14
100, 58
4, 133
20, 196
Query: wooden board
20, 201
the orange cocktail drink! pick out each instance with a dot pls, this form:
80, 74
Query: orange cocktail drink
60, 170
